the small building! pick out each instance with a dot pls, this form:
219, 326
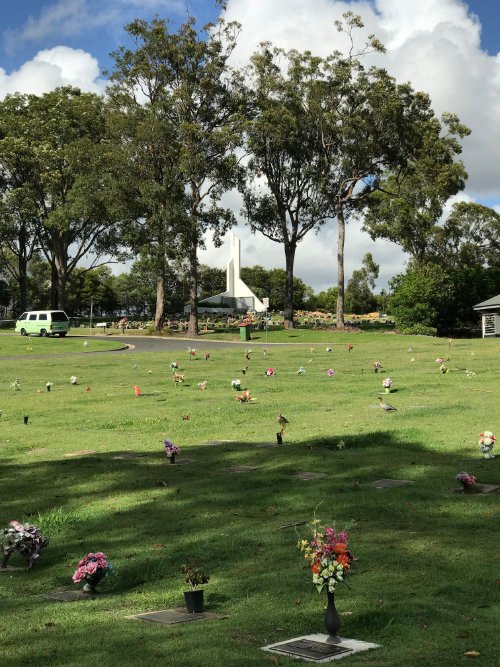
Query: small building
490, 316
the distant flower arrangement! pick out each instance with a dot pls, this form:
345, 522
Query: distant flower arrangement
387, 383
330, 372
92, 569
171, 449
24, 539
174, 364
270, 371
202, 385
245, 397
301, 371
16, 385
73, 379
439, 360
443, 369
377, 366
466, 480
486, 444
236, 384
328, 555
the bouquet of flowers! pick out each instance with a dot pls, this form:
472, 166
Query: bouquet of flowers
174, 364
387, 384
330, 372
171, 450
466, 480
270, 371
443, 369
244, 397
206, 356
24, 539
178, 378
376, 366
301, 371
92, 569
328, 556
439, 360
73, 379
16, 385
486, 444
236, 384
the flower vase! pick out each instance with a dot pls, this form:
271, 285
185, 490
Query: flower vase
5, 560
172, 459
91, 584
194, 601
332, 619
387, 390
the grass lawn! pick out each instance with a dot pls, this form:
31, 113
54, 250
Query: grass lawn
20, 346
426, 582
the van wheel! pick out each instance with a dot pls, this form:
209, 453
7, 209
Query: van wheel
62, 335
43, 333
23, 332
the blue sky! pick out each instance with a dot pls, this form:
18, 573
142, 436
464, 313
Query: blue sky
448, 48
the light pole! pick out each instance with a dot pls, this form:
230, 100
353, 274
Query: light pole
91, 313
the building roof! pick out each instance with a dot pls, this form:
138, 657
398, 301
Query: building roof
489, 304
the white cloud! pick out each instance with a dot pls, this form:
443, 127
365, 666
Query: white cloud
50, 68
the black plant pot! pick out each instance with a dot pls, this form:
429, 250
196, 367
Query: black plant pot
194, 601
5, 560
332, 619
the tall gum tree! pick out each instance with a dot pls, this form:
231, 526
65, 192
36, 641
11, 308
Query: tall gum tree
281, 188
197, 97
370, 126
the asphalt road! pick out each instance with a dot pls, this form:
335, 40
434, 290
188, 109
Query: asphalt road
151, 344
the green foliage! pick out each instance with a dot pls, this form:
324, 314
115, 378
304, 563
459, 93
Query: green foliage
418, 330
359, 297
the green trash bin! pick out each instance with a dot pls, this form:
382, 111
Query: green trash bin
245, 332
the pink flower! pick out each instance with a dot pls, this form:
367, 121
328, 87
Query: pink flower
91, 568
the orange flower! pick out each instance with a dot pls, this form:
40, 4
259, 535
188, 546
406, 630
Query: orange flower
344, 560
340, 548
316, 568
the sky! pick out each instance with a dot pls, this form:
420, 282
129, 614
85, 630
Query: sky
447, 48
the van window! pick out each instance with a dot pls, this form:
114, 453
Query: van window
59, 316
33, 317
23, 316
42, 316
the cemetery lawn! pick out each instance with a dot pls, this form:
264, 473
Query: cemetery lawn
24, 346
425, 584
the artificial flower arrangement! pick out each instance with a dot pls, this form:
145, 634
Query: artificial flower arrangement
24, 539
49, 385
349, 348
439, 360
301, 371
327, 554
171, 450
137, 391
192, 352
16, 385
330, 372
377, 366
178, 378
236, 384
92, 569
270, 371
443, 369
245, 397
174, 365
73, 379
329, 349
206, 356
387, 384
202, 385
486, 444
466, 480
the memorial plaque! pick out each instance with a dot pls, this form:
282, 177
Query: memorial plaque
479, 488
309, 475
129, 455
80, 452
173, 616
390, 483
267, 445
11, 568
181, 462
306, 648
293, 524
215, 443
240, 469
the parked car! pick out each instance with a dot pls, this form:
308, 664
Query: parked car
43, 323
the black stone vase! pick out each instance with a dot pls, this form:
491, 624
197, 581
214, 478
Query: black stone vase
172, 458
332, 619
194, 601
5, 560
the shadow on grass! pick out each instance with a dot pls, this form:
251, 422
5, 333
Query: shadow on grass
229, 524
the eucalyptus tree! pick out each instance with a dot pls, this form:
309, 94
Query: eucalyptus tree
281, 190
187, 73
370, 126
67, 192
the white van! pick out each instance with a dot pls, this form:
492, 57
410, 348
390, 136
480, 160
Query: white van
43, 323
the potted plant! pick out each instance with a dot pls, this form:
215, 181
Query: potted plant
91, 569
327, 554
24, 539
194, 576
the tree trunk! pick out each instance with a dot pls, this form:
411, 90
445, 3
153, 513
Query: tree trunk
288, 306
53, 286
340, 267
23, 284
160, 301
193, 289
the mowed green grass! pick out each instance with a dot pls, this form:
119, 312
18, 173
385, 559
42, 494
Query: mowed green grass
29, 346
426, 582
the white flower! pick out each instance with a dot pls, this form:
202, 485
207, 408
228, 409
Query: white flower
341, 445
49, 384
301, 371
328, 349
236, 384
73, 379
85, 343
